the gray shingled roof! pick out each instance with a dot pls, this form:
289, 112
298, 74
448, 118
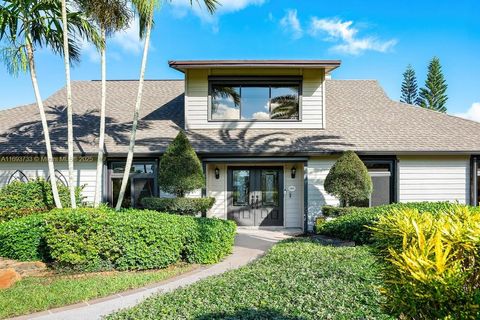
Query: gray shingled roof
359, 115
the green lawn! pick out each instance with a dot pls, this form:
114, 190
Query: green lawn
298, 279
36, 294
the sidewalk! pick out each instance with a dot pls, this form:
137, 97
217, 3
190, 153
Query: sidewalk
249, 245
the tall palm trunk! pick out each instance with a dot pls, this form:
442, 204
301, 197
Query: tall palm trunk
101, 140
48, 146
131, 147
66, 57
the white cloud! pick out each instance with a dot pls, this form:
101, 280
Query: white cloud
182, 7
291, 24
129, 39
347, 38
473, 113
90, 51
261, 116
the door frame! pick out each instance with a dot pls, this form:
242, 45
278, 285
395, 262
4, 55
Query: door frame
281, 187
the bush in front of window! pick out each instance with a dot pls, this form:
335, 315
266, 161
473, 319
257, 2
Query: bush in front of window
182, 206
19, 199
354, 225
348, 180
180, 169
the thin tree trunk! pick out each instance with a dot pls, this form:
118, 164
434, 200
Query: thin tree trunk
66, 57
48, 146
131, 147
101, 142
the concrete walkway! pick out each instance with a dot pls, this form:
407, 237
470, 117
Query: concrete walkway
249, 245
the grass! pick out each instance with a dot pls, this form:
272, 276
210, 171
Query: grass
33, 294
298, 279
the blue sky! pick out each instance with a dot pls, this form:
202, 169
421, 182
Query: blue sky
374, 39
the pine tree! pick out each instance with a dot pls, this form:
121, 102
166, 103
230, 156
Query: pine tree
409, 86
434, 96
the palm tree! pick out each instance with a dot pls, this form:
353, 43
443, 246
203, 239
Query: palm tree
66, 59
284, 107
29, 24
145, 9
109, 16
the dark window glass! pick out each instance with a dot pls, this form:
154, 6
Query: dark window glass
142, 187
127, 199
119, 167
270, 187
244, 101
241, 187
381, 193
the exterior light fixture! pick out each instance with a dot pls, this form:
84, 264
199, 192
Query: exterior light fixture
217, 173
294, 172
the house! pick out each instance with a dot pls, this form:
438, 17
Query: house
267, 132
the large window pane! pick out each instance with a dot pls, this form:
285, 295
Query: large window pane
225, 103
284, 103
255, 103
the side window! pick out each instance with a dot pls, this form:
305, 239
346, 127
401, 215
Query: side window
19, 176
382, 180
60, 178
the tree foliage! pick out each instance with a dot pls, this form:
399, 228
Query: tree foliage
348, 179
409, 87
434, 96
180, 169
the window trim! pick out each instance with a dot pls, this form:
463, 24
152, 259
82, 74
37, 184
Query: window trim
260, 80
392, 165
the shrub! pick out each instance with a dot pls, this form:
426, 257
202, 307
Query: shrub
23, 238
432, 262
22, 198
180, 169
332, 211
348, 179
353, 226
182, 206
211, 240
134, 239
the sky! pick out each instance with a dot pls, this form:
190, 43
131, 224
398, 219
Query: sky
374, 40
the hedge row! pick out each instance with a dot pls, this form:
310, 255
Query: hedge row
182, 206
94, 239
353, 224
19, 199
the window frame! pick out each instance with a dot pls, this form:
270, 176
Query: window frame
110, 175
391, 163
252, 80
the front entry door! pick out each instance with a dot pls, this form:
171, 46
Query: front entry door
255, 196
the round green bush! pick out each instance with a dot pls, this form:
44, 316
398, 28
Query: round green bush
182, 206
348, 179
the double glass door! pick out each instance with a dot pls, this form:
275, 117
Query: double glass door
255, 196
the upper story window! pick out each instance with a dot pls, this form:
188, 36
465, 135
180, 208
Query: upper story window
255, 99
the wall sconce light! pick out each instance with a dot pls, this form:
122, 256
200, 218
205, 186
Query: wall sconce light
294, 172
217, 173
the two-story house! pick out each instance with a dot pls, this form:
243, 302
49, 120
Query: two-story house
267, 132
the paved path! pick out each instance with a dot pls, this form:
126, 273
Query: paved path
249, 245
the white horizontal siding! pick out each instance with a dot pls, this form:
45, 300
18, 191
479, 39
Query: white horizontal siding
434, 179
318, 169
85, 174
293, 209
196, 99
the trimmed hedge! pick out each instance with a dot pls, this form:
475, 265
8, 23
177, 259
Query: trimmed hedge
182, 206
19, 199
353, 226
23, 238
332, 211
134, 239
